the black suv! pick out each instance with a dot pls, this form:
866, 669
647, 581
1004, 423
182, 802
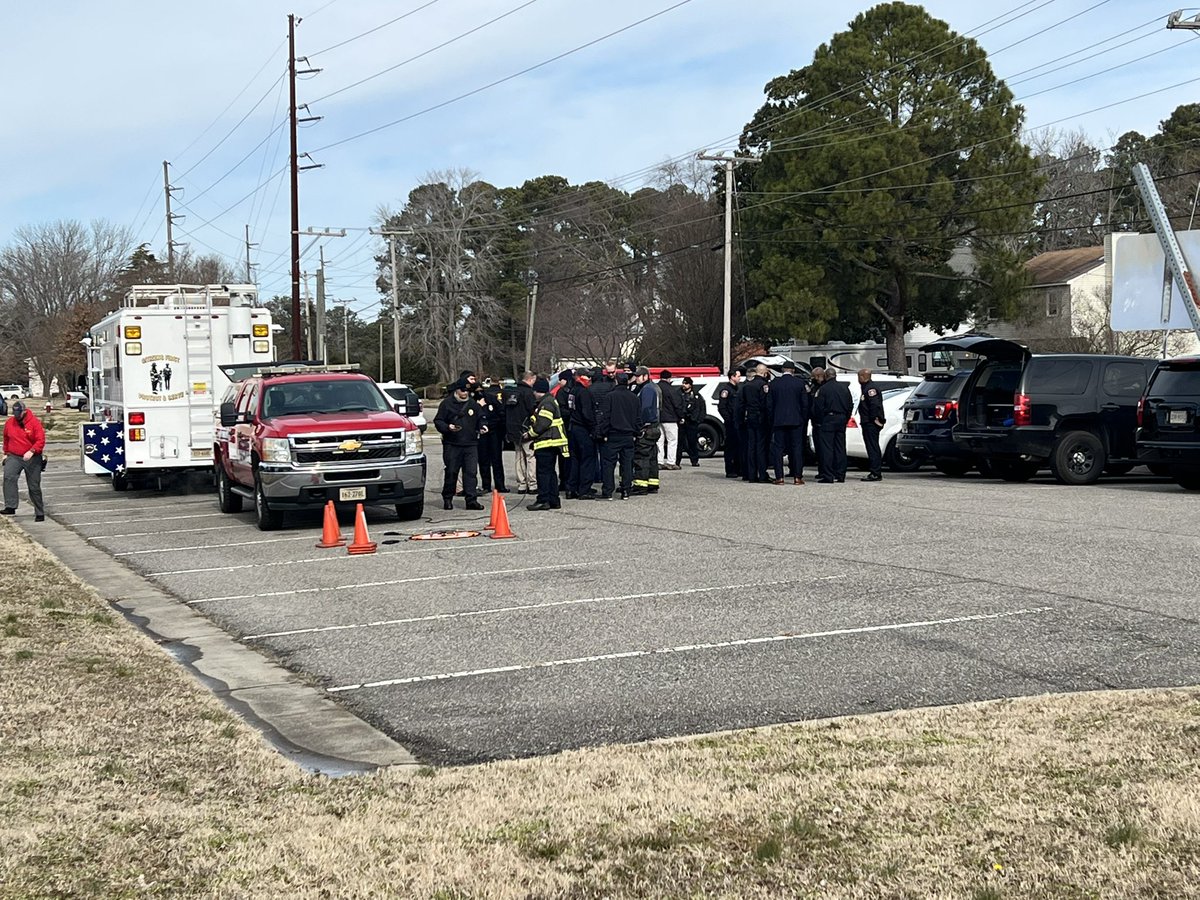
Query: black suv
1168, 437
1076, 412
930, 412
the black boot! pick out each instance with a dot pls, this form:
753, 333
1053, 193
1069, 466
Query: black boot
447, 504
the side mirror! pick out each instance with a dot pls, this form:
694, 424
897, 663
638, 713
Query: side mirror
414, 407
400, 408
229, 414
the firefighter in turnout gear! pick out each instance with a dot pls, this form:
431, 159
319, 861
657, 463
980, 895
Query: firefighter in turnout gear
548, 438
645, 451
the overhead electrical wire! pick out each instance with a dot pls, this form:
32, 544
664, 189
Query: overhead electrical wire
1059, 58
371, 31
506, 78
947, 43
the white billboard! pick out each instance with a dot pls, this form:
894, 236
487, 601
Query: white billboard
1136, 265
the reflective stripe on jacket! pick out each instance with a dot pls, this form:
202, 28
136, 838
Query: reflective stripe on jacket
547, 427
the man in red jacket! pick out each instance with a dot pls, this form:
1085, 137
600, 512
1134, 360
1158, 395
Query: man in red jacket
24, 444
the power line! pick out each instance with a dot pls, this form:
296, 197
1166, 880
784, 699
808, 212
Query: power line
210, 125
375, 29
506, 78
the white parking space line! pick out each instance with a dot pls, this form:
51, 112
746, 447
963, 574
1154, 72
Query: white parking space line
390, 582
526, 607
189, 530
689, 648
298, 537
346, 557
157, 519
116, 506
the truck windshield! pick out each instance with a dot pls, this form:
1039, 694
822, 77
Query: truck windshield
329, 396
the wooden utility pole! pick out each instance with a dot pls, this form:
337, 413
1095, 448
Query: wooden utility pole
296, 168
532, 306
727, 334
167, 189
249, 267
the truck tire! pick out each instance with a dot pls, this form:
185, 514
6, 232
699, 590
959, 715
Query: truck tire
709, 440
227, 500
899, 461
120, 482
1013, 470
409, 511
265, 518
1078, 458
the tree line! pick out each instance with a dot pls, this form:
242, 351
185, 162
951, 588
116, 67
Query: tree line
896, 187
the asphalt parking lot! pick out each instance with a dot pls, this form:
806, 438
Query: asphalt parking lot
714, 605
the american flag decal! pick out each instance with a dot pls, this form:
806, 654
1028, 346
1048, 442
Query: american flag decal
104, 444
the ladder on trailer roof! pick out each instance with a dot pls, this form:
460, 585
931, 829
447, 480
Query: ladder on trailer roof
198, 352
1177, 263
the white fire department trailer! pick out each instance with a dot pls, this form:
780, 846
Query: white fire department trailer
154, 378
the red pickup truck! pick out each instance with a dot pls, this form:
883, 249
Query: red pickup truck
296, 437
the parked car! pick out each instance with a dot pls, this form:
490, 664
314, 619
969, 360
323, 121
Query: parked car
1168, 416
894, 457
12, 391
413, 405
930, 413
76, 400
1073, 412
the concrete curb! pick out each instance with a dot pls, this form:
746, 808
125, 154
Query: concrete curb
298, 720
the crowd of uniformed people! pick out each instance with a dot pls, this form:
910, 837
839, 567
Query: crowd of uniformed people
609, 432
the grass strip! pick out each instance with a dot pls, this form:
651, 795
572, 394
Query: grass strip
121, 777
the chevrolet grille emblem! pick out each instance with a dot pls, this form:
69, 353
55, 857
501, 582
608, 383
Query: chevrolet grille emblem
350, 446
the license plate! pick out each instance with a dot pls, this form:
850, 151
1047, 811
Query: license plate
358, 493
1177, 417
910, 415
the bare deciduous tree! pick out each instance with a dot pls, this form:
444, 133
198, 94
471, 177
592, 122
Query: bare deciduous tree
450, 226
48, 271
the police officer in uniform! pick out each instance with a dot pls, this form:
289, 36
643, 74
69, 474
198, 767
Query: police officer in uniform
870, 418
579, 416
459, 422
617, 414
758, 425
831, 412
726, 393
491, 441
788, 404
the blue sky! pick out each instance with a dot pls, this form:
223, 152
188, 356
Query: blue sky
97, 95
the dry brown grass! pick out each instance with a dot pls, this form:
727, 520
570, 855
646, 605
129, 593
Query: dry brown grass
120, 777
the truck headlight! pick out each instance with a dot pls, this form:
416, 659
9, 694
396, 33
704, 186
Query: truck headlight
276, 450
412, 443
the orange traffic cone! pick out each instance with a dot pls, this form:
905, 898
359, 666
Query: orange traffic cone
502, 529
361, 544
331, 534
495, 516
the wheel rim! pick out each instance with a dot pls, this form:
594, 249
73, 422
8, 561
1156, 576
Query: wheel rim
1081, 460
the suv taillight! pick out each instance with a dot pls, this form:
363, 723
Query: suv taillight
1022, 413
1141, 411
943, 410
